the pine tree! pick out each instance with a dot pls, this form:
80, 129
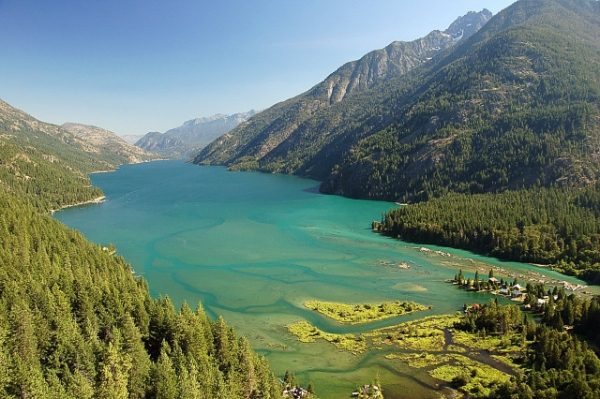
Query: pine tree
164, 379
139, 374
247, 368
113, 374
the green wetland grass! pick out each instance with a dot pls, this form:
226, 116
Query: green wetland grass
364, 313
434, 346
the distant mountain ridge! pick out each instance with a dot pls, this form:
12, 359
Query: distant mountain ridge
192, 135
131, 138
515, 104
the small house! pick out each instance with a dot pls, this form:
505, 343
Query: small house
541, 302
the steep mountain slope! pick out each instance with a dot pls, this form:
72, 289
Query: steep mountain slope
252, 144
193, 135
160, 143
396, 59
45, 164
514, 105
109, 143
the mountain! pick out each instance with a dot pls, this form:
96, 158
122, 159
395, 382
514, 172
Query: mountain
193, 135
514, 105
107, 141
131, 138
278, 129
48, 165
167, 146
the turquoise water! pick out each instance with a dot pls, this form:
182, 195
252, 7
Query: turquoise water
253, 247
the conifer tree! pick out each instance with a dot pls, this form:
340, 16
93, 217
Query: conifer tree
164, 379
113, 374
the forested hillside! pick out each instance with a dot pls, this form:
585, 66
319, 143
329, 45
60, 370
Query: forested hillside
290, 136
511, 108
515, 105
46, 165
555, 226
74, 321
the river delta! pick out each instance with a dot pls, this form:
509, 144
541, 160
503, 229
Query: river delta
255, 248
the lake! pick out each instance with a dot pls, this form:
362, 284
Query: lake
254, 247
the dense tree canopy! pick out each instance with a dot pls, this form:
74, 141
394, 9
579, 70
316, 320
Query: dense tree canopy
554, 226
75, 323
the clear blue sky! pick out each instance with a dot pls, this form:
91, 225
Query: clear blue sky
133, 66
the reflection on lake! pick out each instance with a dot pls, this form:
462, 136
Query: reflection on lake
254, 247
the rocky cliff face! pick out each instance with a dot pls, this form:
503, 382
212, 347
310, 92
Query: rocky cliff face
468, 25
397, 58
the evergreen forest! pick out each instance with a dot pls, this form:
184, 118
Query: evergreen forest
555, 227
74, 320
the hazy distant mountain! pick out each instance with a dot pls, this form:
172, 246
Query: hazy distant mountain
131, 138
193, 135
106, 140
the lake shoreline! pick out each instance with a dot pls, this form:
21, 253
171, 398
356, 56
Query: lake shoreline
97, 200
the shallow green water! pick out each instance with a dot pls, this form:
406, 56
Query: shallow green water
253, 247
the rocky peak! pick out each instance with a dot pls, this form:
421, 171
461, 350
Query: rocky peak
469, 24
397, 58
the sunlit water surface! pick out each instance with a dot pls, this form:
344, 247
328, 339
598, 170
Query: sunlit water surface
253, 247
